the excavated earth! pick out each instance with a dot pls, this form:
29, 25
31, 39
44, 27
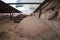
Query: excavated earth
30, 28
38, 29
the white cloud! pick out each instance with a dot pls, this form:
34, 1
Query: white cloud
10, 1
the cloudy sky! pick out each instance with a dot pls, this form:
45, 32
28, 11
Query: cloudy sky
26, 8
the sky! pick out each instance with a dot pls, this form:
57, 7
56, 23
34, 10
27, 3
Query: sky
9, 1
26, 8
14, 1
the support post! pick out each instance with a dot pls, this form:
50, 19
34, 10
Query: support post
40, 13
10, 16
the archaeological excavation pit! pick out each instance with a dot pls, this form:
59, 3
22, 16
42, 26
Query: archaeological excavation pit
29, 19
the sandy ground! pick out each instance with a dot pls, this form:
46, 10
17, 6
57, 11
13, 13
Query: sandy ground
37, 29
7, 28
6, 35
33, 28
7, 24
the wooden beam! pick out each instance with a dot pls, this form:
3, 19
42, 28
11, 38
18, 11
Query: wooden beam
22, 3
40, 12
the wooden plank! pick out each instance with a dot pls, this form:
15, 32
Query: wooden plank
22, 3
